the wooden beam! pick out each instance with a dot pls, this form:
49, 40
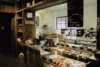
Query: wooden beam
49, 3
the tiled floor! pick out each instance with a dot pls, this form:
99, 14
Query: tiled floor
7, 61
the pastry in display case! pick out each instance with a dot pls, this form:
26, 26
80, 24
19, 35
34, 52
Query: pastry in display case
60, 61
85, 54
97, 54
69, 52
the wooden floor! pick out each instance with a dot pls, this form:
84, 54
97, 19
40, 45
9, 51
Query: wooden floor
7, 61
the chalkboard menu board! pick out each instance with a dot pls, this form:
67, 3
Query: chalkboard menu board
75, 13
98, 8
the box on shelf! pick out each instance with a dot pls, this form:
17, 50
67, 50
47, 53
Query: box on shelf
33, 2
28, 4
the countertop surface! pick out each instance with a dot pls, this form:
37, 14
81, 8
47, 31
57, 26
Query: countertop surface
36, 47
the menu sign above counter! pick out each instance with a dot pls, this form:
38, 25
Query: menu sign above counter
75, 13
75, 20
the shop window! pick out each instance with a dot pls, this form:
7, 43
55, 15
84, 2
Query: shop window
62, 23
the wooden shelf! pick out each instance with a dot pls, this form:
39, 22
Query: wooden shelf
49, 3
19, 32
9, 12
44, 5
20, 25
19, 18
32, 6
35, 5
19, 11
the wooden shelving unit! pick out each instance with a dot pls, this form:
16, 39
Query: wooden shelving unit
34, 6
23, 30
31, 6
20, 18
19, 10
38, 5
19, 28
7, 12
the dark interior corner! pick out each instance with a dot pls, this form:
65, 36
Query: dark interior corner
5, 33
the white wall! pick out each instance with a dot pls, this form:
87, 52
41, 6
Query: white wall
49, 17
89, 13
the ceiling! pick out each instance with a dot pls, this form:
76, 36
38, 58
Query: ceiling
54, 8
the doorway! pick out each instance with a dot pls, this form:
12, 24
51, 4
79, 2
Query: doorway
5, 33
